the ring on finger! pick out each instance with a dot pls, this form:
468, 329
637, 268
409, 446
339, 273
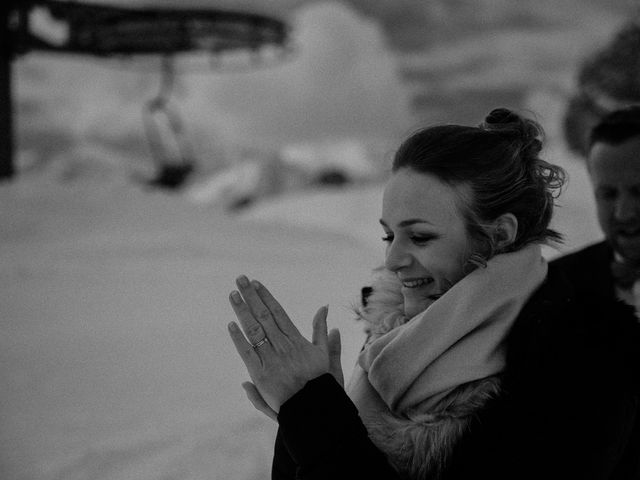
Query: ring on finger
260, 343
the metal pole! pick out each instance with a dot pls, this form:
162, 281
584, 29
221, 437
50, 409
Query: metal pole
6, 111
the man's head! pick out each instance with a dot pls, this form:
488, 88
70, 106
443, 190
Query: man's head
614, 166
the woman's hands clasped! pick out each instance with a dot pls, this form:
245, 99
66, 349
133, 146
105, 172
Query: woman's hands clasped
279, 359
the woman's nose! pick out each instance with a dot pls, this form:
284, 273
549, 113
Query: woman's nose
396, 257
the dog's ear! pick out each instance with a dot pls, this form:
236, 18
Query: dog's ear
365, 293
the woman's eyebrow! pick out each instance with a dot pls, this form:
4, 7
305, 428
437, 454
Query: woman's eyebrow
408, 222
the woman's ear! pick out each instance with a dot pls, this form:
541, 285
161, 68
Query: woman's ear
505, 230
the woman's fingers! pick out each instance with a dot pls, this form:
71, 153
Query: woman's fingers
244, 348
279, 359
278, 313
257, 401
251, 327
260, 313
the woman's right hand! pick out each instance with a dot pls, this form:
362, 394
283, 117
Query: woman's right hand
335, 368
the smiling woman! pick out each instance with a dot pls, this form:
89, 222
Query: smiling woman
426, 236
478, 362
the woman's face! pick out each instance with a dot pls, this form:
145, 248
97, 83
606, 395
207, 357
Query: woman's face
427, 240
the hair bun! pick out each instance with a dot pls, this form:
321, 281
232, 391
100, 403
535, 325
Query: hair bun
524, 131
501, 116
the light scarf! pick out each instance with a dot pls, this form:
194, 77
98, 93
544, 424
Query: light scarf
458, 339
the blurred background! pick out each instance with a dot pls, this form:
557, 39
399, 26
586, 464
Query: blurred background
145, 184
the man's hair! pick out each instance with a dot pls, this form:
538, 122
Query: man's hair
617, 127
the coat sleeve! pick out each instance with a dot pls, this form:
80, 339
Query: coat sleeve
321, 436
283, 466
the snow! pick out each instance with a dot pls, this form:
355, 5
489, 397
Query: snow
114, 356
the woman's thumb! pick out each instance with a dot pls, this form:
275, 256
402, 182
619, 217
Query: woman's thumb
319, 324
335, 349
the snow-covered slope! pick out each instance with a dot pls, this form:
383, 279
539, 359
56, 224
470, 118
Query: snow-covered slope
114, 356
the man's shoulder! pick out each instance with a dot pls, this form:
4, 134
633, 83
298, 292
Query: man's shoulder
601, 248
587, 270
595, 254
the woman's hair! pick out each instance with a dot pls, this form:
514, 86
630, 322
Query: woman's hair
499, 160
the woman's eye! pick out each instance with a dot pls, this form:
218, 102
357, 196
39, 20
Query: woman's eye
388, 238
421, 240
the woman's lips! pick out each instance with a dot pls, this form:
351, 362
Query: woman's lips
416, 282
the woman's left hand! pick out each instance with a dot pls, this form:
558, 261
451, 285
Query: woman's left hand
279, 359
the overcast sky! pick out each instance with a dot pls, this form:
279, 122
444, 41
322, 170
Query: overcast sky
343, 79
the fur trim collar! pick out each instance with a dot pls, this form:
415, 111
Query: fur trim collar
419, 445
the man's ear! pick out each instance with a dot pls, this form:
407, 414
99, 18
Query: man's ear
505, 230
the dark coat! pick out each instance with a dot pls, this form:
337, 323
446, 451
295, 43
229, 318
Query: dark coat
588, 271
569, 408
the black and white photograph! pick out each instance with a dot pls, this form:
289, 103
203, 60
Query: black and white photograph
319, 239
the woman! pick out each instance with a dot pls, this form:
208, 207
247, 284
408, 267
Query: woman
477, 362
